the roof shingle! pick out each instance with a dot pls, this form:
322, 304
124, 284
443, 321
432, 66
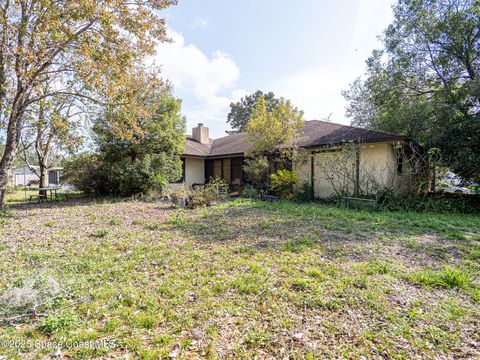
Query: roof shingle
313, 133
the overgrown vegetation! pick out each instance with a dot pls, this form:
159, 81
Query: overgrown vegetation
144, 162
283, 182
243, 279
424, 81
212, 193
90, 53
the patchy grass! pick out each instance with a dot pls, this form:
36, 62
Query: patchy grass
21, 195
244, 279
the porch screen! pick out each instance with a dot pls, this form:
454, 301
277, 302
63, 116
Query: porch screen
217, 168
227, 168
237, 164
209, 169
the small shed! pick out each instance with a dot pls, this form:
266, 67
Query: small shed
24, 175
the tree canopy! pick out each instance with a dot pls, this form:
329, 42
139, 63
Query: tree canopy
241, 111
159, 136
146, 160
268, 128
425, 82
87, 49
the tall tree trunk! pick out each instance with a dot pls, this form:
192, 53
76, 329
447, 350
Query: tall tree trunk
43, 176
13, 138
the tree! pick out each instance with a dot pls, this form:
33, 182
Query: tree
145, 160
241, 111
54, 129
89, 47
159, 130
425, 83
272, 134
269, 128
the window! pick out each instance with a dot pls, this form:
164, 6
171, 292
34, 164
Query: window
399, 164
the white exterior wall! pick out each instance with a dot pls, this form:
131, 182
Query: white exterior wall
23, 175
194, 171
378, 165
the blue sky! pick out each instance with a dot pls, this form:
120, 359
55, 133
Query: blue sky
306, 51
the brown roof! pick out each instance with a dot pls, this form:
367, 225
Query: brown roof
321, 133
194, 148
313, 133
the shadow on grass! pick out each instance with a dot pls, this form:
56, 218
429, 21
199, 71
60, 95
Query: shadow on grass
75, 200
298, 227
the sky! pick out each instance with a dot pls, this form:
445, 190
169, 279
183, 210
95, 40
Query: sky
306, 51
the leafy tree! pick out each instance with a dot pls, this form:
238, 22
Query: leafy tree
241, 111
425, 83
158, 138
54, 129
272, 134
268, 129
89, 47
145, 160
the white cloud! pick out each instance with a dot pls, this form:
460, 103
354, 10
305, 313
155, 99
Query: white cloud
207, 83
198, 22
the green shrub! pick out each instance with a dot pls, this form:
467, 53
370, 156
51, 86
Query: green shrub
387, 199
83, 172
125, 177
304, 194
257, 170
283, 182
248, 192
207, 195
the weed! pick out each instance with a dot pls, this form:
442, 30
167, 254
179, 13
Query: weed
248, 283
49, 223
114, 222
178, 220
448, 277
56, 322
379, 267
154, 226
299, 244
99, 233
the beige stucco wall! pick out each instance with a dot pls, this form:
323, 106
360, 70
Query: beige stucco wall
194, 171
378, 166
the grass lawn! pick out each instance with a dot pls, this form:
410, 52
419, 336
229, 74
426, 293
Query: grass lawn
241, 279
22, 195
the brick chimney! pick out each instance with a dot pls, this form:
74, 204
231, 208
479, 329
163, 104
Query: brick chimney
201, 134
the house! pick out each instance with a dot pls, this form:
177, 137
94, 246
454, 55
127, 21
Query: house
24, 175
377, 161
